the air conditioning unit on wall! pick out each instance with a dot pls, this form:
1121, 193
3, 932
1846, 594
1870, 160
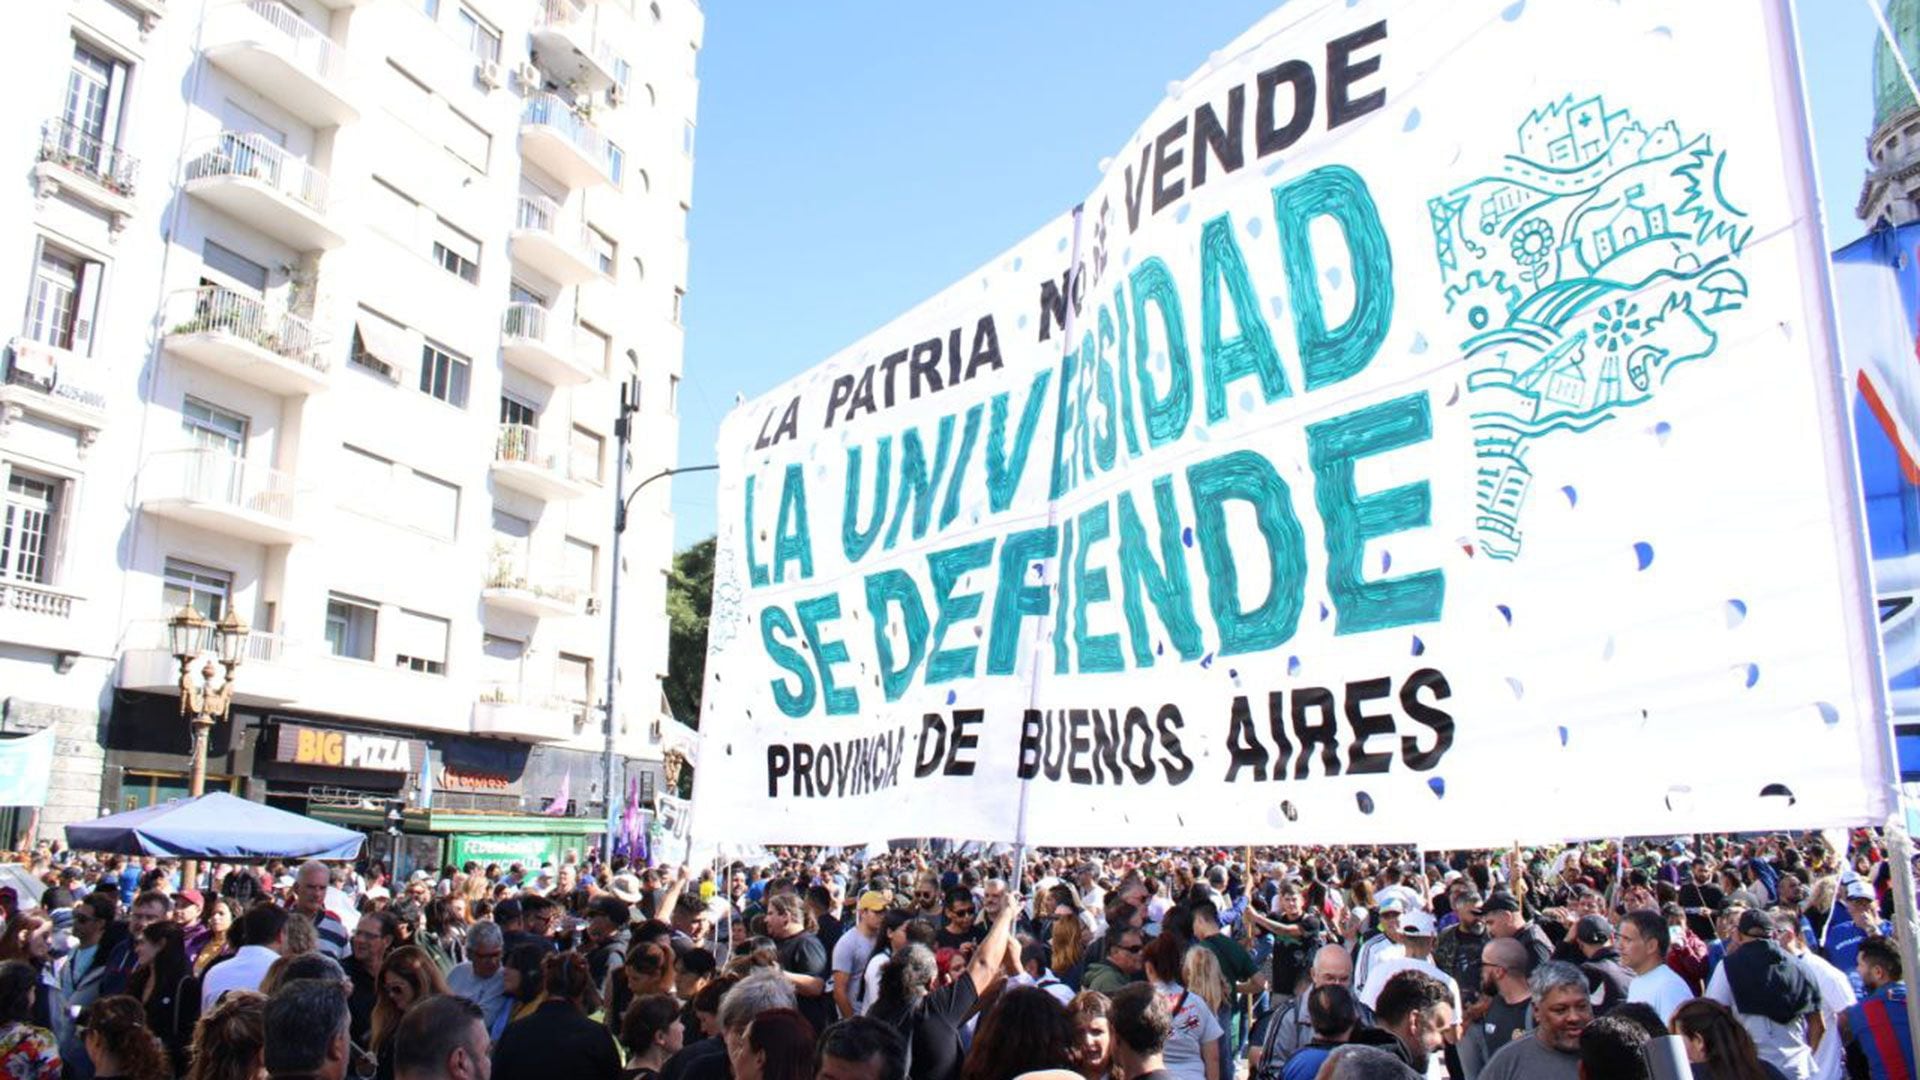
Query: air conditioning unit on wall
488, 74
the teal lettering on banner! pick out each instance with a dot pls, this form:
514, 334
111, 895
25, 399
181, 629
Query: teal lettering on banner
795, 703
1166, 581
792, 542
841, 700
1249, 353
895, 587
946, 568
1166, 413
854, 540
756, 573
1013, 599
1351, 519
918, 480
1005, 467
1246, 476
1329, 355
1097, 652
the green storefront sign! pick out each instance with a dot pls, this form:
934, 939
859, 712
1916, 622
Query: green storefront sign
508, 848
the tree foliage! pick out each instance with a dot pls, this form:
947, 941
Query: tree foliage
689, 604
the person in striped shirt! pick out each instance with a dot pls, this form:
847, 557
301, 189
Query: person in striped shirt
310, 900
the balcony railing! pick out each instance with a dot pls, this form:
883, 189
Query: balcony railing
505, 575
541, 214
156, 635
524, 319
254, 157
35, 600
207, 475
68, 145
521, 443
212, 309
520, 693
548, 110
310, 48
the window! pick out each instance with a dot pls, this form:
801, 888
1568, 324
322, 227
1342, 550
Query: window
210, 427
515, 411
512, 536
500, 660
456, 252
616, 162
430, 8
58, 314
443, 374
430, 504
573, 681
89, 94
393, 212
604, 250
585, 454
380, 345
479, 36
202, 588
350, 624
582, 564
27, 529
366, 480
679, 302
420, 642
592, 348
467, 140
228, 268
673, 395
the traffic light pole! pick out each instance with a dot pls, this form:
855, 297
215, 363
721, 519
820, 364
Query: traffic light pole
622, 500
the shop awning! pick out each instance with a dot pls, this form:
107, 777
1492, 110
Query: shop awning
215, 826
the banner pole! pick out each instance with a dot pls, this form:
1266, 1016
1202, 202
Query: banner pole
1843, 472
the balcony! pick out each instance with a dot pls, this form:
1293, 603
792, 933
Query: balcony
561, 254
568, 44
514, 711
286, 60
507, 589
518, 464
40, 615
563, 145
252, 180
55, 384
268, 674
241, 336
213, 490
536, 342
87, 167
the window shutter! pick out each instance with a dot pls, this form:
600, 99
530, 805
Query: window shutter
423, 637
86, 305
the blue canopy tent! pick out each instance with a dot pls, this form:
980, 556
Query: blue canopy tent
215, 826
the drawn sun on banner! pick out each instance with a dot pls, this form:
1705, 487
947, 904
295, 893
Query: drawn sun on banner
1580, 277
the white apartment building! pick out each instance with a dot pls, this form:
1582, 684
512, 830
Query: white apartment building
325, 311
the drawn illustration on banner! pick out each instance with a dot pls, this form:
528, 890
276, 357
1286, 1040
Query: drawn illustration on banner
1579, 278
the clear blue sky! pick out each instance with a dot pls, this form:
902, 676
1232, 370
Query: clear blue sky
857, 156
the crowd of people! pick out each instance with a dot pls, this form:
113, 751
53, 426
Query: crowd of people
1752, 959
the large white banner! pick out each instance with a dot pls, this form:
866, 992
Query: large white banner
1427, 431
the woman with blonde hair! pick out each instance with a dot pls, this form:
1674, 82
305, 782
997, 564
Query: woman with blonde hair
406, 976
230, 1042
1200, 971
301, 938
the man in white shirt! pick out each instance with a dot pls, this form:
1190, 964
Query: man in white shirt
1836, 994
1643, 939
481, 979
1417, 936
1382, 946
264, 927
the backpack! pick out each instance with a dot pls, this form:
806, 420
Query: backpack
1271, 1063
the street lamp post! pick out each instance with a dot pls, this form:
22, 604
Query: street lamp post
622, 500
201, 700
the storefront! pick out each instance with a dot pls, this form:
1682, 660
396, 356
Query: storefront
149, 748
431, 839
307, 766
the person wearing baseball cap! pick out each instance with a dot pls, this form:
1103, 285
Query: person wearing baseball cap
1504, 920
1383, 943
1416, 930
1842, 936
1771, 994
1608, 980
853, 950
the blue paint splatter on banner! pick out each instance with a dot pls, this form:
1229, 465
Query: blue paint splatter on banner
1643, 552
952, 697
1519, 688
1186, 536
1573, 497
1736, 613
1206, 661
1514, 10
1419, 647
1439, 786
1505, 612
1365, 802
1828, 714
1293, 665
1753, 675
1563, 734
1413, 121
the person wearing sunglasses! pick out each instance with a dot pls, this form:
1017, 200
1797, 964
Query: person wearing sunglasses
1123, 963
407, 976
